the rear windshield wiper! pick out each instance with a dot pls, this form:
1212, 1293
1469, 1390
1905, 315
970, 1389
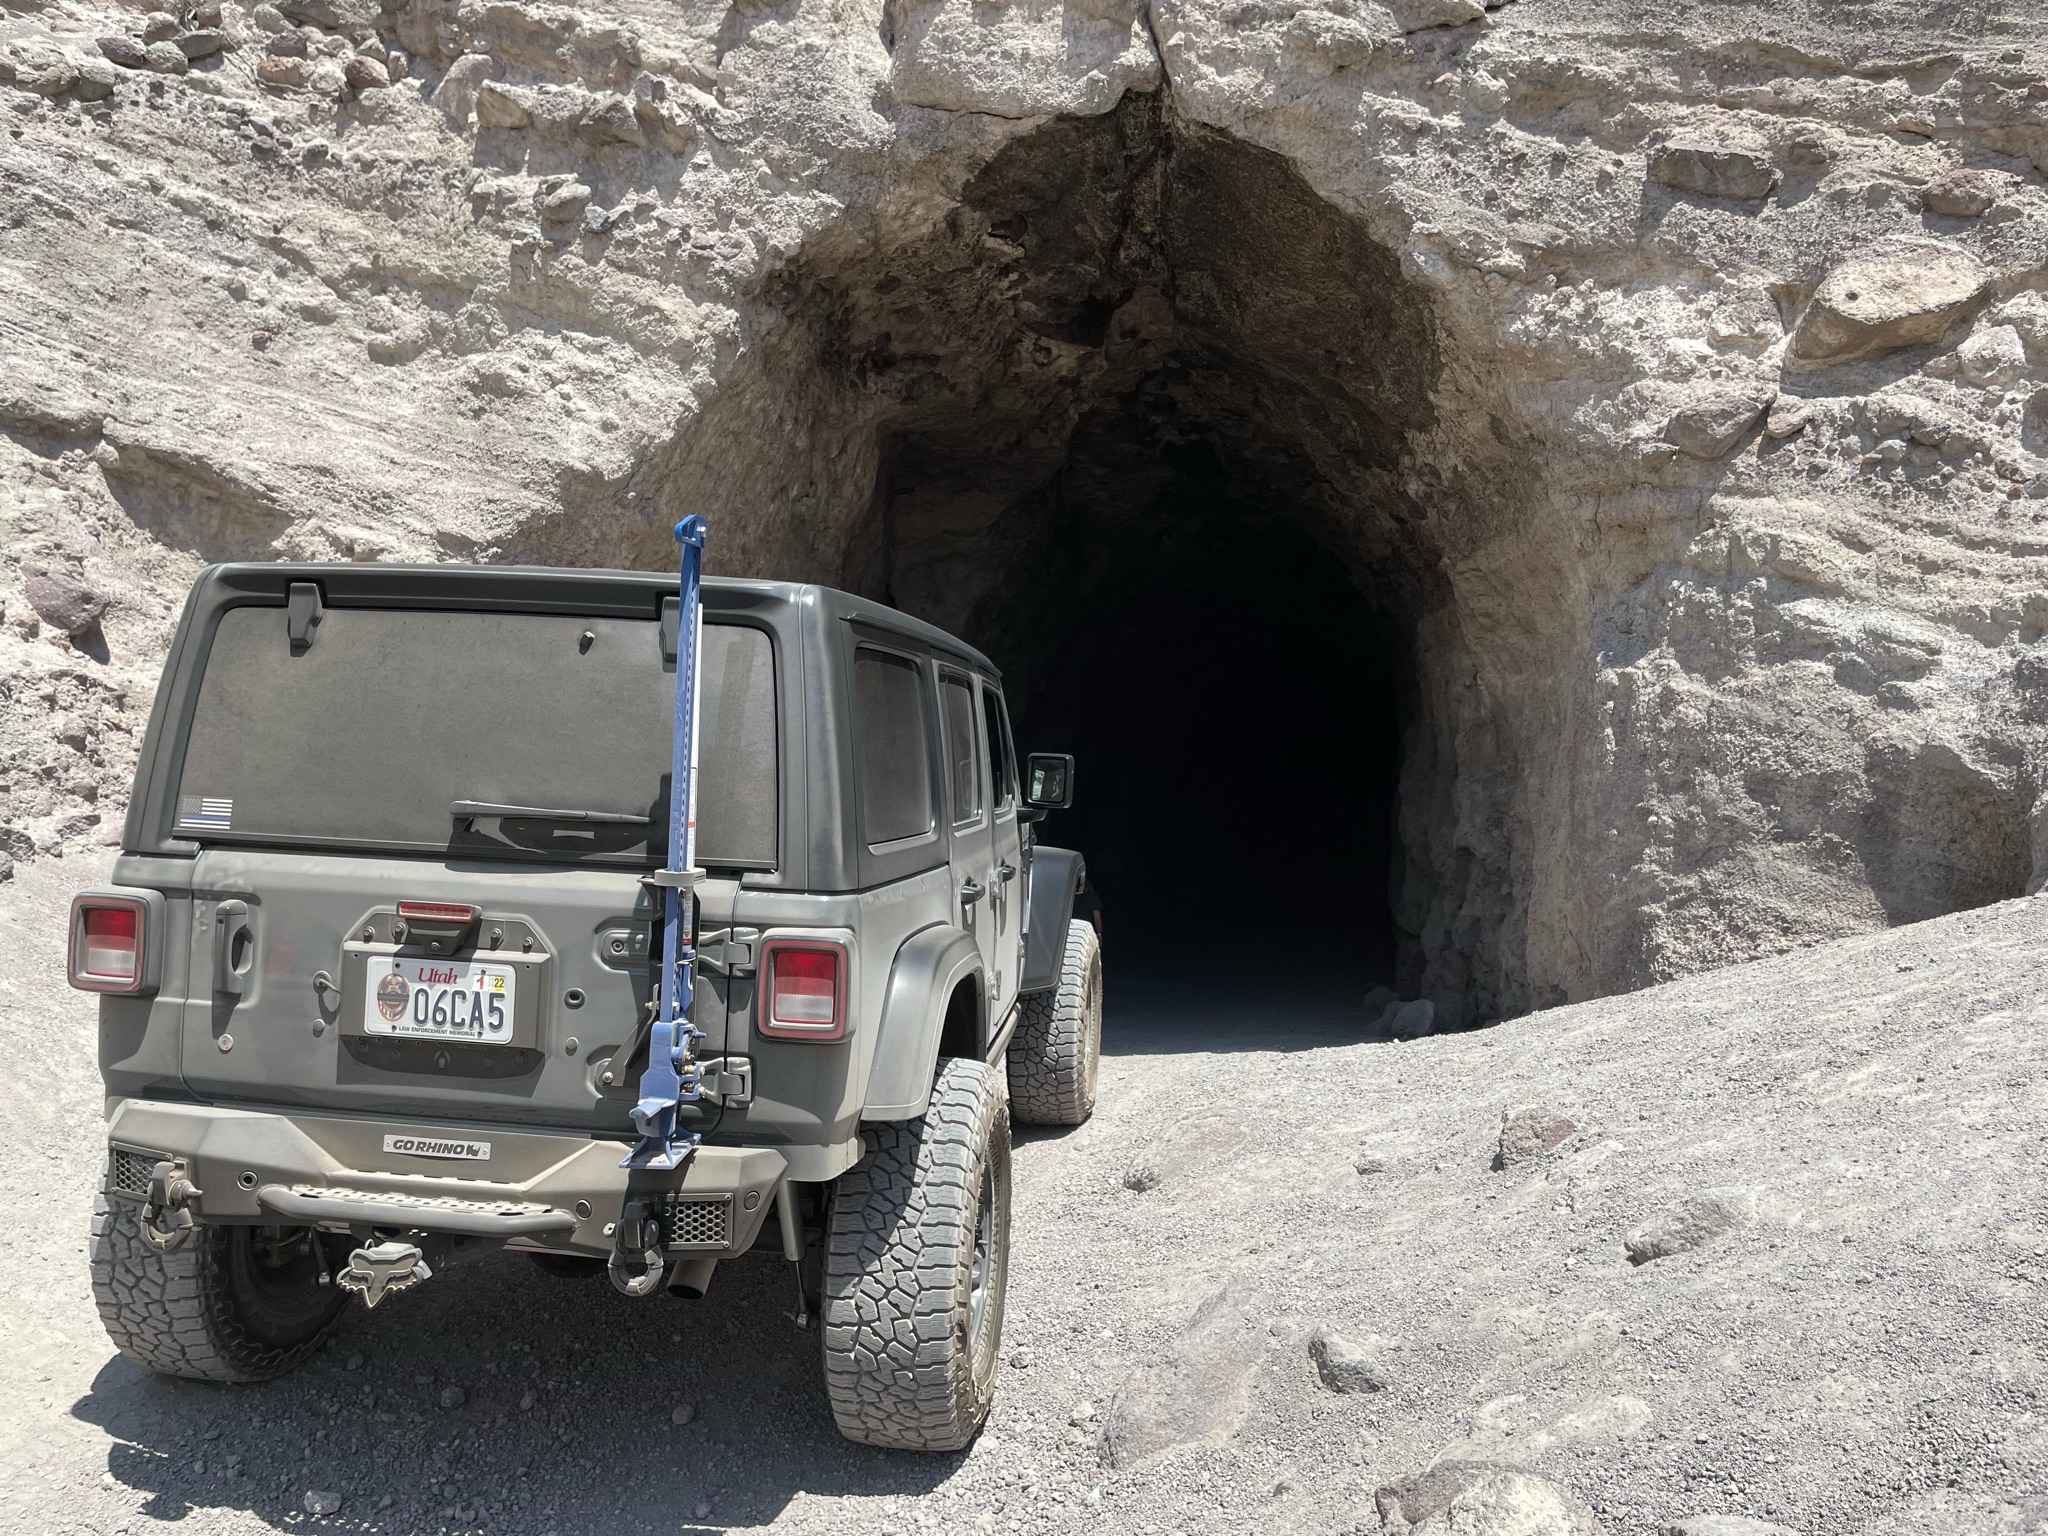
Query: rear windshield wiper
470, 810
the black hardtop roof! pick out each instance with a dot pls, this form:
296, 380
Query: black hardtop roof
569, 589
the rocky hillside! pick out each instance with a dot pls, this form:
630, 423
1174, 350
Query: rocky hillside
1672, 379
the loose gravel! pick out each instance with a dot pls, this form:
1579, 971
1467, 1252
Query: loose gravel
1861, 1349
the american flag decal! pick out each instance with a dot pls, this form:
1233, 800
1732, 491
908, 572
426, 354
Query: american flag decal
206, 813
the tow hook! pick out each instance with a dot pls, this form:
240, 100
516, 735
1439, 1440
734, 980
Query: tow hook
380, 1269
638, 1243
166, 1221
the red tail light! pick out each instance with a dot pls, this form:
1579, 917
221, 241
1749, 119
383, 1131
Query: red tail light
806, 991
108, 935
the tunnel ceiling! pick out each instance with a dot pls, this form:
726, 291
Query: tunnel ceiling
1111, 295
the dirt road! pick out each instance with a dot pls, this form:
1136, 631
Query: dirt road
1862, 1350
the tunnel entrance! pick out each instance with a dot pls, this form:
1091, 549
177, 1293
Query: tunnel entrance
1156, 425
1236, 716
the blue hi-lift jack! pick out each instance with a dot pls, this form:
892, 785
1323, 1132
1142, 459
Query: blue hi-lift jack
671, 1079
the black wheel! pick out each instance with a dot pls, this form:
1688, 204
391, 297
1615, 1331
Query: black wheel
233, 1304
1056, 1049
917, 1258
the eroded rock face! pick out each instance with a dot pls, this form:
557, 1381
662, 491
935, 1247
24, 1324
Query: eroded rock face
1494, 303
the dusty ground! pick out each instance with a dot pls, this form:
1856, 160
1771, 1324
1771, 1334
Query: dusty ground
1865, 1355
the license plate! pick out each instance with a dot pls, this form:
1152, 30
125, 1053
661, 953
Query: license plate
439, 1000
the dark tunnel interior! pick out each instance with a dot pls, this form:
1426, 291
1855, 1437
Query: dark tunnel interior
1236, 729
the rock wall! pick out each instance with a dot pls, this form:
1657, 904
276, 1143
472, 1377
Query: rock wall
1702, 454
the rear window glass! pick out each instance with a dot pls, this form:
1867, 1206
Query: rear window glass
369, 734
963, 777
893, 736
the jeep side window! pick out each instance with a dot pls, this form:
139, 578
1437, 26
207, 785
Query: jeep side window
893, 740
963, 774
1002, 760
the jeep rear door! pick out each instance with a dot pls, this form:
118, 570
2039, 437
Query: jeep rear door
976, 889
318, 778
999, 765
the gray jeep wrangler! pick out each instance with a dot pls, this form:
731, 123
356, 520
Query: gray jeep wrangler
378, 972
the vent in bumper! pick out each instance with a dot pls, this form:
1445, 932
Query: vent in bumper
697, 1221
131, 1171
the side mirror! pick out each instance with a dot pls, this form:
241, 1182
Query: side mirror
1049, 781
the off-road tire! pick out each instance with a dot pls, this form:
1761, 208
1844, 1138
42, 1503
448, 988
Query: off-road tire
909, 1362
1057, 1046
196, 1311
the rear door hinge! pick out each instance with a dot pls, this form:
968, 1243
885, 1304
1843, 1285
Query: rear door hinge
729, 1079
728, 951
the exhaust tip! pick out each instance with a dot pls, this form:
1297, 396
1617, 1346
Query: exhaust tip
691, 1278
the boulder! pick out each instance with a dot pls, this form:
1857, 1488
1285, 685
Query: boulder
287, 45
2027, 313
52, 77
1344, 1366
565, 204
166, 59
610, 119
1481, 1498
1691, 1224
1961, 193
124, 51
332, 15
456, 94
1788, 417
159, 27
327, 77
96, 80
1717, 417
1902, 293
1712, 168
64, 600
1529, 1135
364, 74
286, 71
497, 107
202, 44
1421, 15
1411, 1020
1993, 358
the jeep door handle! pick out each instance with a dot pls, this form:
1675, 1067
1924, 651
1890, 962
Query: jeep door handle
971, 891
1005, 873
233, 954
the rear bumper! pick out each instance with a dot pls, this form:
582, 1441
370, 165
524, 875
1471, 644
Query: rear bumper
559, 1192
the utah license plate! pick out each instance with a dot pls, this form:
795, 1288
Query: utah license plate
439, 1000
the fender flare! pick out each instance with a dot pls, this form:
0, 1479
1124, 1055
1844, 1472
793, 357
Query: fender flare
1058, 875
931, 963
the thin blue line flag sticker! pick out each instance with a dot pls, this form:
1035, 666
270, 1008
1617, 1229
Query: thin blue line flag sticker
206, 813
